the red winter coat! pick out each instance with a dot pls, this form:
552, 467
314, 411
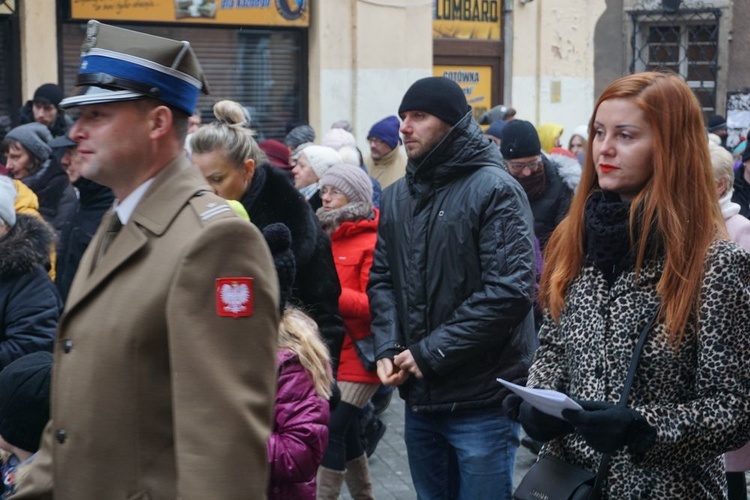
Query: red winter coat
353, 244
300, 432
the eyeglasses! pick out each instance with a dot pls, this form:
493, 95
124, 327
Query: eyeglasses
330, 191
517, 168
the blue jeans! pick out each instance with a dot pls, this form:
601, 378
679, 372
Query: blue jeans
465, 455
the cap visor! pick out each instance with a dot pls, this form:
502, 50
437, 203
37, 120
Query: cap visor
62, 142
99, 95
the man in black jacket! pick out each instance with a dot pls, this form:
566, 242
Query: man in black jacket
549, 195
450, 291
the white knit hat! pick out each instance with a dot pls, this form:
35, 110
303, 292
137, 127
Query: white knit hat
7, 200
581, 131
321, 158
337, 138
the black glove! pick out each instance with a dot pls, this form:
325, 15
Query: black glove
335, 398
607, 427
540, 426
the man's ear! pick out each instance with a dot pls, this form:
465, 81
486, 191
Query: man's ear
160, 120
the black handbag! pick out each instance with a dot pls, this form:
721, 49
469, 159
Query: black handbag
551, 478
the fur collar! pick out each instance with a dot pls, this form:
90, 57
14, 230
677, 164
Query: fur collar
25, 247
353, 212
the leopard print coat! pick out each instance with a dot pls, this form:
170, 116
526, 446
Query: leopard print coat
697, 398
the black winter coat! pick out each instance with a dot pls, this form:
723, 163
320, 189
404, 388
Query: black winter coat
453, 275
57, 198
551, 207
29, 303
741, 194
272, 198
94, 200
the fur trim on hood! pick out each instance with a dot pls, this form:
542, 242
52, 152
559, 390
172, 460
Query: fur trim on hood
26, 246
352, 212
569, 170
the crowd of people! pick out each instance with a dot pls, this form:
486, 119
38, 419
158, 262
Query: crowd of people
189, 313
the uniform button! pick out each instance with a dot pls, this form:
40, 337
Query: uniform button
61, 435
67, 346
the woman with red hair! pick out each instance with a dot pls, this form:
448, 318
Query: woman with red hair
645, 233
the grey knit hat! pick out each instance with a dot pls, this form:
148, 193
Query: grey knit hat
8, 195
321, 158
35, 137
350, 180
299, 135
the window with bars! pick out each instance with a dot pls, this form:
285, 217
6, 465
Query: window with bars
686, 43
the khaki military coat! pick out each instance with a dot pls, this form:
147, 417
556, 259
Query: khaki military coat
155, 395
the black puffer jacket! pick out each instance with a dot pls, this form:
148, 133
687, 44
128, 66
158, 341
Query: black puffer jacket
94, 200
272, 198
29, 303
453, 275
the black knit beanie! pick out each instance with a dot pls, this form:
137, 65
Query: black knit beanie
49, 93
438, 96
519, 140
24, 400
279, 240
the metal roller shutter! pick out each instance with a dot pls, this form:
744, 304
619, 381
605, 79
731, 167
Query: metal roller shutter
7, 112
261, 69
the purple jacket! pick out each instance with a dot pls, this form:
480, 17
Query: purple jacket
300, 432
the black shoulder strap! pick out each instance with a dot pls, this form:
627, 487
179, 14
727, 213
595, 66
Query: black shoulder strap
636, 358
604, 464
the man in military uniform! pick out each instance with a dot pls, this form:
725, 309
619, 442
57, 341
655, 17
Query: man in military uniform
164, 372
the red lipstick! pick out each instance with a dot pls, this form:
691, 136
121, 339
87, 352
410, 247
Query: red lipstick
606, 168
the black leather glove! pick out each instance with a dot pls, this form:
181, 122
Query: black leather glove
607, 427
540, 426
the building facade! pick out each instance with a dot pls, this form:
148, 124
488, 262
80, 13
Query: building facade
567, 51
319, 61
314, 61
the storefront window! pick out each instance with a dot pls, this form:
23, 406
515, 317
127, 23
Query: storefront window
260, 68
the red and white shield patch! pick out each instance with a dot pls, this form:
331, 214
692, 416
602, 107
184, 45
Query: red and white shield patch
234, 297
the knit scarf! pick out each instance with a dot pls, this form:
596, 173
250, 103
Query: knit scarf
608, 244
534, 184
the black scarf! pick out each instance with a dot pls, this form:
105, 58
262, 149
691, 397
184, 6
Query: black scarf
608, 244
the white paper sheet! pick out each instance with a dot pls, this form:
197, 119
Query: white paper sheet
545, 400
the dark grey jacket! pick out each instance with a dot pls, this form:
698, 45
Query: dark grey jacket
453, 275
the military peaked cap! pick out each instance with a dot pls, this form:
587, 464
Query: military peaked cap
123, 65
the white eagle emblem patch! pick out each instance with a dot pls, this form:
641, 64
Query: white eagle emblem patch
234, 297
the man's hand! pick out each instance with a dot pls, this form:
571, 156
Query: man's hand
405, 361
390, 374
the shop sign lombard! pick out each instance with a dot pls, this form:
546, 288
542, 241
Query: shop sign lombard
466, 19
240, 12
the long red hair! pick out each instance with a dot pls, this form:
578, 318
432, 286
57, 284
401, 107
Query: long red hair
678, 204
